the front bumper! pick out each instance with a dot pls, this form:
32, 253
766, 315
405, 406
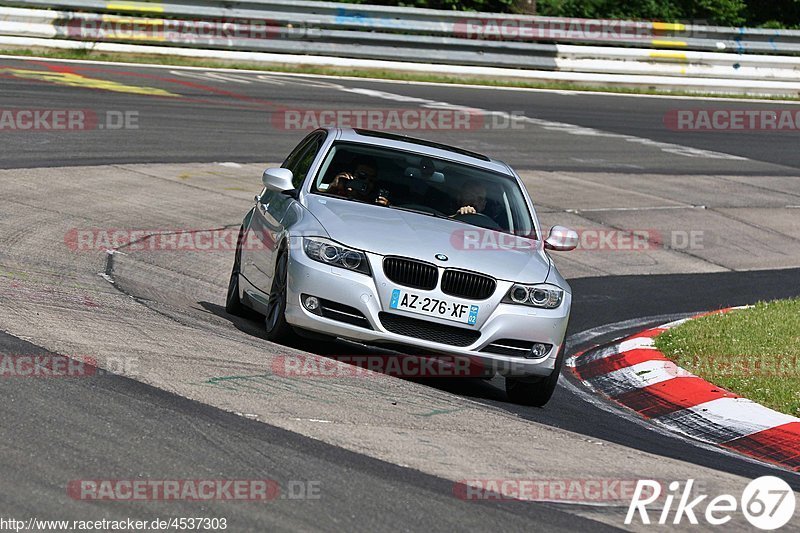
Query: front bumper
370, 296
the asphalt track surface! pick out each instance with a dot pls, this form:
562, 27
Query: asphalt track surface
51, 428
231, 117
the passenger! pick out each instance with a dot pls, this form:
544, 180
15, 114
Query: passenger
360, 184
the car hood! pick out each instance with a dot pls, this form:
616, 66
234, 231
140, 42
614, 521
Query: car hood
387, 231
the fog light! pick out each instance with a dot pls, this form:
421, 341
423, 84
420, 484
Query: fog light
538, 350
311, 303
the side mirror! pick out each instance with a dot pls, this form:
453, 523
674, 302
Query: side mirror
561, 239
278, 179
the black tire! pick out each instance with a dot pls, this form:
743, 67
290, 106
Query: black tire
278, 330
535, 392
233, 304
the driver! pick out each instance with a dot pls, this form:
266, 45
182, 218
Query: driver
472, 199
365, 170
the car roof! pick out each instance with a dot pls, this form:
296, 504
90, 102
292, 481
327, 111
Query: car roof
412, 144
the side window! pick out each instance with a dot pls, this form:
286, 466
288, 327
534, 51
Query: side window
300, 160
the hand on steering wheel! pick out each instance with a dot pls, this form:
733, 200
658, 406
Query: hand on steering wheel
466, 210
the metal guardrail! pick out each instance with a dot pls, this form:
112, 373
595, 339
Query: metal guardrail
414, 35
284, 38
441, 23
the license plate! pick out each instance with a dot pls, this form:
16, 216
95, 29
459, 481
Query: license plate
426, 305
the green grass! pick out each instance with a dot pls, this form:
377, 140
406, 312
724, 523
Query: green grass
753, 352
358, 73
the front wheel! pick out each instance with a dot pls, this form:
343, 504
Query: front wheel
278, 330
532, 391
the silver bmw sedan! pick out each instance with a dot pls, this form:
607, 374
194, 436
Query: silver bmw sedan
385, 239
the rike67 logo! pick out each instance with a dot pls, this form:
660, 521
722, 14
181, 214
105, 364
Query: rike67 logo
768, 503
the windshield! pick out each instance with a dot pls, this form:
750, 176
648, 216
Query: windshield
428, 185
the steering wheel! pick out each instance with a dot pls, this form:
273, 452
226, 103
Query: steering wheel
479, 219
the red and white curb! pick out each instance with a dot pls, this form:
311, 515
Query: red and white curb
633, 373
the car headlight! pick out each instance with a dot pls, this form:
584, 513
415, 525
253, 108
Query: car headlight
542, 295
332, 253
